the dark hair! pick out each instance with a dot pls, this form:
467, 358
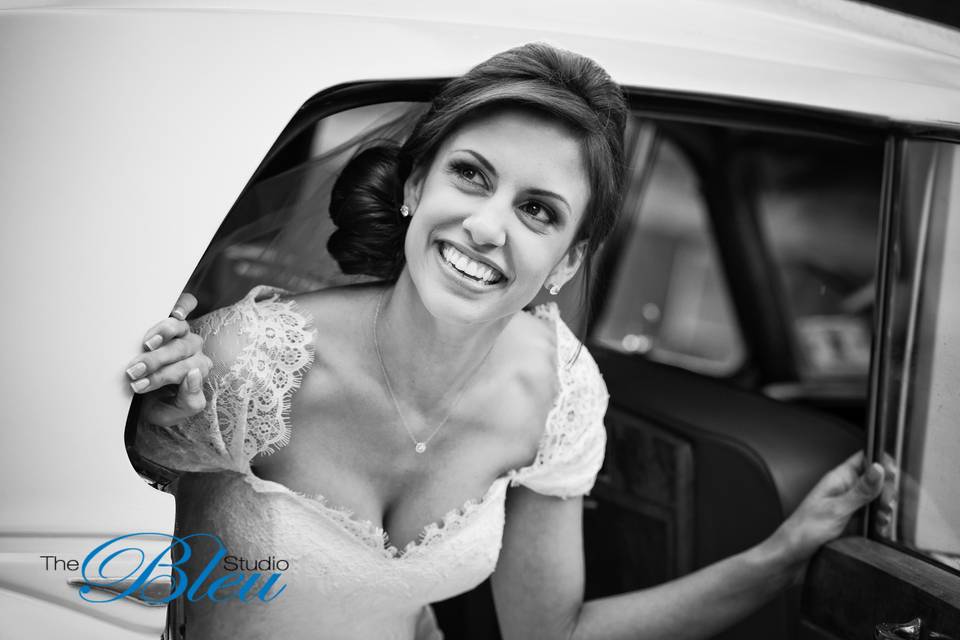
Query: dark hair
562, 85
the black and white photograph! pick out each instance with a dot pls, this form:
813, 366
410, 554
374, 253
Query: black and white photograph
480, 321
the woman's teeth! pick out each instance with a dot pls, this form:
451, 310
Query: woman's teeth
469, 267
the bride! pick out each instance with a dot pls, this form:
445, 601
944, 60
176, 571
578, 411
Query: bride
399, 442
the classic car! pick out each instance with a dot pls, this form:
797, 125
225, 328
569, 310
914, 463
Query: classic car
779, 292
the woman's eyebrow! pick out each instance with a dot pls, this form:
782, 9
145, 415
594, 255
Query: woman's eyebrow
543, 193
479, 158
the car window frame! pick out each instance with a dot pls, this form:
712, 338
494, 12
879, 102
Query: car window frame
885, 406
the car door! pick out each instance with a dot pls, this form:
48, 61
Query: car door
736, 362
900, 577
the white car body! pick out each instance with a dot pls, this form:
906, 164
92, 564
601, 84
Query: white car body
129, 128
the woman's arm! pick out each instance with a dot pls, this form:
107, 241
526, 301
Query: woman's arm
539, 581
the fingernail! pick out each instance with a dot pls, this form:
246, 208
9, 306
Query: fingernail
140, 385
178, 313
875, 474
153, 342
194, 381
136, 371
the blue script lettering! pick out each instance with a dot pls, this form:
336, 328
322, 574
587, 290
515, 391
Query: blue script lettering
146, 573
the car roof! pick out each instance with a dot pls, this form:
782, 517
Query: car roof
828, 54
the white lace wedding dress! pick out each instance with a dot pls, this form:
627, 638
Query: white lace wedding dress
345, 580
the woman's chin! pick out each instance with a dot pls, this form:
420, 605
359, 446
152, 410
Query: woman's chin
466, 304
452, 296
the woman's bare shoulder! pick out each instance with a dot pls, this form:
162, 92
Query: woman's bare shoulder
530, 348
340, 320
336, 307
536, 336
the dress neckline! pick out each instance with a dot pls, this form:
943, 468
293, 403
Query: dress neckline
374, 536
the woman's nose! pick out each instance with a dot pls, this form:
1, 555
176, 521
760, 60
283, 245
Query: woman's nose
486, 227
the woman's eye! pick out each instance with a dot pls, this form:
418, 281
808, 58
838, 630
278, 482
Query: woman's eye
469, 173
538, 211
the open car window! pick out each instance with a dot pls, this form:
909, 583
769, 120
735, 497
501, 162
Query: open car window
263, 239
668, 298
747, 250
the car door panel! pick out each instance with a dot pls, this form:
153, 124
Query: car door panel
747, 460
855, 585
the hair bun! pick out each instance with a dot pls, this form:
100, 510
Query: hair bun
364, 205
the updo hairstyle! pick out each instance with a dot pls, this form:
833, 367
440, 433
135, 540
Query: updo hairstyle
567, 87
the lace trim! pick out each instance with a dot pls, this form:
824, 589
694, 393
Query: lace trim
452, 521
267, 371
376, 537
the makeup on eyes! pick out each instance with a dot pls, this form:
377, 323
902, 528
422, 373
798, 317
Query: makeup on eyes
459, 167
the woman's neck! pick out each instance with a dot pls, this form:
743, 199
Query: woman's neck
426, 357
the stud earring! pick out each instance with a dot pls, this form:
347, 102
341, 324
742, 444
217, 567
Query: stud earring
554, 289
405, 211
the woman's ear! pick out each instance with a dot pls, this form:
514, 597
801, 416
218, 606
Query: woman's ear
568, 265
412, 188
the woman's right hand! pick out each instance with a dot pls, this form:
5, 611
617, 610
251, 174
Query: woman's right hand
824, 513
171, 370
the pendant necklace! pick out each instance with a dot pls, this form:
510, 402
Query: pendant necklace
418, 445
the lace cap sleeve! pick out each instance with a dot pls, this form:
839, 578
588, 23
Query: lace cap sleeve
260, 347
574, 440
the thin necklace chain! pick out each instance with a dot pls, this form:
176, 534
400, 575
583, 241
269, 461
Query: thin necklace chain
418, 445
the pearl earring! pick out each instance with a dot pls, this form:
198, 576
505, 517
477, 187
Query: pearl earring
405, 211
554, 289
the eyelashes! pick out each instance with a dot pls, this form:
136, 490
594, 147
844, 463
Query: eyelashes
466, 173
548, 214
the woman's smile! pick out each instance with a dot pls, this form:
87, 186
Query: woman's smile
495, 213
475, 270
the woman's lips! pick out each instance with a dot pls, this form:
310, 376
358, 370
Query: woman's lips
464, 265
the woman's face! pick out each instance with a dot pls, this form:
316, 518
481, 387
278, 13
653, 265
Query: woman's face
494, 216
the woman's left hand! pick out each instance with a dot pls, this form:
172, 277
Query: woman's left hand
826, 510
171, 371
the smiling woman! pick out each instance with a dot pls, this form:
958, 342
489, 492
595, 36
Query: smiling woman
510, 174
397, 441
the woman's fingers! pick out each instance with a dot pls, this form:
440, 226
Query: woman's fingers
190, 392
189, 400
890, 492
184, 305
854, 483
869, 484
849, 470
174, 373
172, 327
864, 488
845, 476
164, 331
177, 349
